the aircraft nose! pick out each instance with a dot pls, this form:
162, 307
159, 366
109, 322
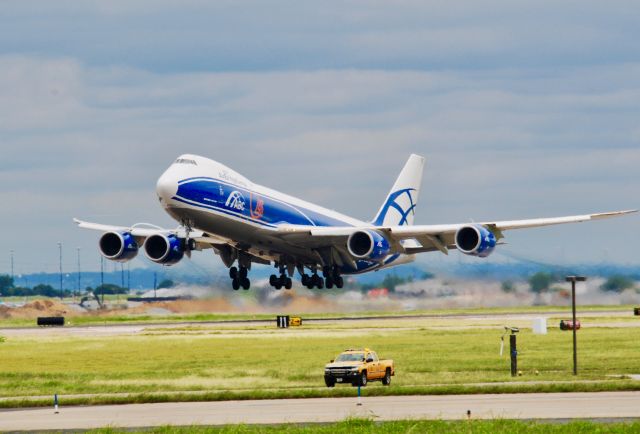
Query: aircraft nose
167, 186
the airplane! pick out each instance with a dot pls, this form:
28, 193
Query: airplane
246, 223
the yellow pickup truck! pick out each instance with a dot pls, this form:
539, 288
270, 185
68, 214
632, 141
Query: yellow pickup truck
358, 367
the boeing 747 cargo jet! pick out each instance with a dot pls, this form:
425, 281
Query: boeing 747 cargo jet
245, 223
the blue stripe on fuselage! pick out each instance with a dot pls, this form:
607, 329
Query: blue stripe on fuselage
231, 199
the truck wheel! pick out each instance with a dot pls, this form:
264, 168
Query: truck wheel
363, 378
387, 377
329, 382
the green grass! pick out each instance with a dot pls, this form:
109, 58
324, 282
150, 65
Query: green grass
357, 426
213, 363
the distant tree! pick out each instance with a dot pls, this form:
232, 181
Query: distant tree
390, 282
109, 288
508, 286
6, 282
617, 283
45, 290
427, 275
540, 282
166, 283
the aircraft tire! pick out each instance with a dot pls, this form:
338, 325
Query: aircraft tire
246, 283
273, 279
328, 282
233, 272
235, 283
288, 283
339, 282
305, 280
243, 272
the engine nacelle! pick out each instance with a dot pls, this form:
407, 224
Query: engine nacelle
164, 249
475, 240
118, 246
368, 245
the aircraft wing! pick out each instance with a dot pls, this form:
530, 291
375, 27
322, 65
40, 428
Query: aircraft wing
144, 230
430, 237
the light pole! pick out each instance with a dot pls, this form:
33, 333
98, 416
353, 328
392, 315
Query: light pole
79, 286
14, 284
102, 278
573, 280
60, 251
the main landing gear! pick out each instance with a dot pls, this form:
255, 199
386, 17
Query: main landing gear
239, 278
282, 281
331, 277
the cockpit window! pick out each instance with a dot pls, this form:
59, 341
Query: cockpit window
186, 161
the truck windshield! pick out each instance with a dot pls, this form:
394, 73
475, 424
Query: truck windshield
350, 357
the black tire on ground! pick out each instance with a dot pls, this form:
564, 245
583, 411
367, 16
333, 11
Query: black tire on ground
329, 382
246, 283
363, 379
233, 272
387, 377
235, 283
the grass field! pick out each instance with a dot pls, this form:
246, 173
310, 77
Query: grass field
212, 362
365, 426
124, 318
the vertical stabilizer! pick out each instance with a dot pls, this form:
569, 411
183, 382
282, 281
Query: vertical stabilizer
400, 205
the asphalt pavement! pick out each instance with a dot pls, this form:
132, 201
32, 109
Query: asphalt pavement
600, 405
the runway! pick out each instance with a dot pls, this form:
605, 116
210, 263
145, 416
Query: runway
114, 329
601, 405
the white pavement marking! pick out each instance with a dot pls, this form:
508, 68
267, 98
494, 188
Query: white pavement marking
450, 407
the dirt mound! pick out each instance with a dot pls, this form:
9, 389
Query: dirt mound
35, 309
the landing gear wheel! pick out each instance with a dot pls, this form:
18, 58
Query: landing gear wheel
273, 279
235, 283
363, 379
305, 280
246, 283
243, 272
387, 377
328, 281
288, 283
339, 282
233, 272
329, 382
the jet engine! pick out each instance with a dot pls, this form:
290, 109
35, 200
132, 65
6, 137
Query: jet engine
475, 240
164, 249
118, 246
368, 245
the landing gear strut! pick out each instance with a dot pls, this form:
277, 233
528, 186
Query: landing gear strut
239, 278
282, 281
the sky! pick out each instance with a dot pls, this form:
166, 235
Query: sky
522, 109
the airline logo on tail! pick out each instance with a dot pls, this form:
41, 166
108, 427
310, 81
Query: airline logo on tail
402, 201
